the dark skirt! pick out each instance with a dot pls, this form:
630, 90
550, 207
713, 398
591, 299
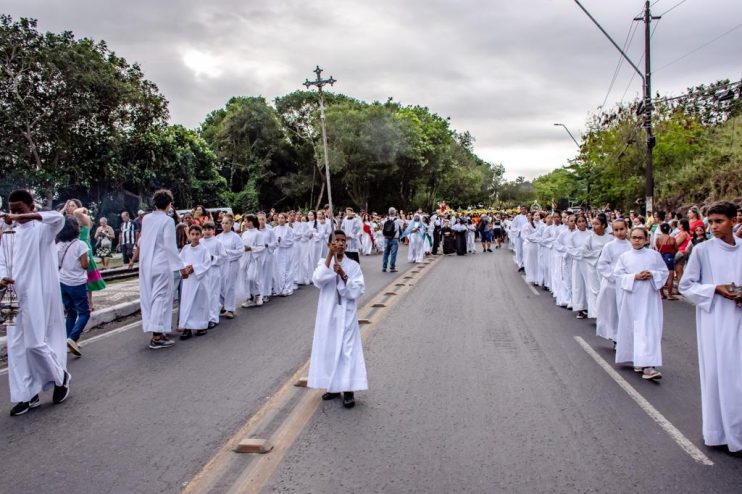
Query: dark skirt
449, 244
461, 243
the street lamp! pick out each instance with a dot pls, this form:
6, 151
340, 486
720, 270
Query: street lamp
568, 132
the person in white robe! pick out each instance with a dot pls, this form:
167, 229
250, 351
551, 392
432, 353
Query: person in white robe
589, 254
640, 274
707, 281
544, 252
324, 231
268, 239
301, 242
515, 233
233, 249
337, 362
308, 262
251, 265
529, 236
353, 228
579, 270
367, 244
158, 259
195, 302
415, 231
37, 342
555, 261
563, 244
283, 258
607, 301
471, 237
214, 276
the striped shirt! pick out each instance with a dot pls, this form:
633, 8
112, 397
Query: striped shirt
128, 231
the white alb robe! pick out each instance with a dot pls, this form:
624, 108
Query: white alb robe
337, 362
529, 236
37, 343
579, 275
268, 239
515, 233
562, 245
607, 301
158, 259
214, 275
251, 264
589, 254
640, 308
719, 332
367, 246
324, 231
234, 249
308, 262
195, 301
283, 281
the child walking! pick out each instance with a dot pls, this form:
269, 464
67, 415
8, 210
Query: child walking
196, 299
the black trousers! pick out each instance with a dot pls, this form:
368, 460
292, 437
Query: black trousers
354, 256
436, 239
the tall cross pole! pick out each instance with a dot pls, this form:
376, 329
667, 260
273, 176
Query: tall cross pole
320, 83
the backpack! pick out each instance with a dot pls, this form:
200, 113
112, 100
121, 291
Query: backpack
389, 230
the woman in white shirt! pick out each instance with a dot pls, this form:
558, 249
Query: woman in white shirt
73, 279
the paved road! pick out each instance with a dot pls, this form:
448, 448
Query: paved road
144, 421
479, 385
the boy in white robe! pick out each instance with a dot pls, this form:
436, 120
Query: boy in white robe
337, 363
640, 274
158, 258
233, 249
607, 301
195, 301
266, 273
283, 257
707, 282
37, 342
251, 265
562, 245
214, 274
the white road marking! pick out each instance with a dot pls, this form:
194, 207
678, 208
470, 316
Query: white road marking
530, 287
668, 427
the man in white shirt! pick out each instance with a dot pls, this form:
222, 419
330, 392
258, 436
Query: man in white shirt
353, 228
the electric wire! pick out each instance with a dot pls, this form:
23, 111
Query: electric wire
700, 47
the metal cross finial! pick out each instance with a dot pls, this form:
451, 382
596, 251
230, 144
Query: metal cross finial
319, 82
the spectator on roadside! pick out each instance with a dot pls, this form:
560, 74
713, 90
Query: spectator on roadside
391, 228
127, 237
104, 236
138, 223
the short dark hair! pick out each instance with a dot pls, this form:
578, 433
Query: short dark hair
665, 228
340, 232
252, 219
196, 227
70, 231
209, 225
21, 195
162, 198
603, 219
725, 208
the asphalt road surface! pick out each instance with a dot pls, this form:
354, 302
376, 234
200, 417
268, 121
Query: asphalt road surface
478, 383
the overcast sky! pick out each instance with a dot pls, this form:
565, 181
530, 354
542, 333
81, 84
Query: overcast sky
504, 70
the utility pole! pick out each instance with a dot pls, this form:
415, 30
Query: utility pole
320, 83
646, 105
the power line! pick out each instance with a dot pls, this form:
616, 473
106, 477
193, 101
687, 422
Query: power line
627, 43
701, 47
640, 61
681, 2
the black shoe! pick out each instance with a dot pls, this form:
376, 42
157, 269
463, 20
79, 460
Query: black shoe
348, 400
222, 311
213, 324
200, 332
187, 335
62, 392
383, 270
330, 396
520, 270
393, 270
163, 342
581, 314
24, 406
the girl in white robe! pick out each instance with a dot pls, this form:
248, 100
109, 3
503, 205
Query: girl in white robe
563, 243
471, 236
415, 231
555, 262
214, 275
324, 232
251, 265
367, 245
640, 274
269, 241
195, 302
234, 250
308, 261
544, 252
337, 362
284, 283
530, 249
301, 243
589, 254
712, 267
607, 301
579, 274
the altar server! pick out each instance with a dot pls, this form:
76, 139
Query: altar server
233, 249
579, 270
251, 264
268, 239
589, 254
707, 282
214, 275
283, 278
337, 363
607, 302
195, 301
640, 274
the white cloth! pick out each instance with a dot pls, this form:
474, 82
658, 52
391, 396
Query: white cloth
37, 343
579, 270
640, 308
353, 228
268, 239
234, 250
528, 235
515, 233
471, 236
158, 258
324, 231
562, 245
195, 299
214, 275
308, 247
589, 254
607, 301
719, 333
367, 246
251, 264
283, 258
71, 272
337, 362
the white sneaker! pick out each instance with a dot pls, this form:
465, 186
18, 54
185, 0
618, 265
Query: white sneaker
651, 374
266, 300
247, 303
73, 347
259, 301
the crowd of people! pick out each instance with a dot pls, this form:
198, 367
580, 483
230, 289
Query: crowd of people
603, 266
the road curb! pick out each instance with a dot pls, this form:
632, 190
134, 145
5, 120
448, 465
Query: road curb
103, 316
